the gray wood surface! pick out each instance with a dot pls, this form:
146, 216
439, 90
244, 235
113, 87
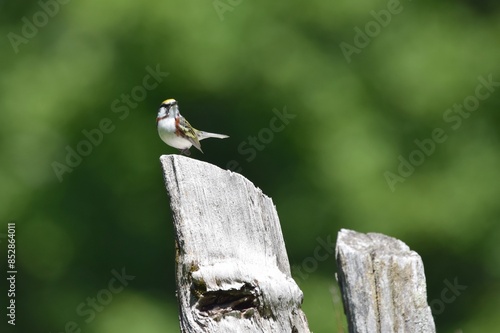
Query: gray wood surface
383, 284
232, 269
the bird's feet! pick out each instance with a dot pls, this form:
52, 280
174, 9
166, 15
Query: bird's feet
185, 152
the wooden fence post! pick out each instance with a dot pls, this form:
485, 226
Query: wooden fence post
232, 269
383, 285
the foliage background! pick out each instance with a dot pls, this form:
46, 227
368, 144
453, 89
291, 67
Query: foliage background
324, 171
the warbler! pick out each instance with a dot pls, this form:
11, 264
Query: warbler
176, 131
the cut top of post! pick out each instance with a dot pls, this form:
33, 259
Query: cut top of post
221, 215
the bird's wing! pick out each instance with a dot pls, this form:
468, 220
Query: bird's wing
187, 131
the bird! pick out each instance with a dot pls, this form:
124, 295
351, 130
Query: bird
176, 131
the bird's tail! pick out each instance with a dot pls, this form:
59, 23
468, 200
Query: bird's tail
203, 135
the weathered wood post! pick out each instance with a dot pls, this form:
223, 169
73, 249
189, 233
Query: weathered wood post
383, 285
233, 273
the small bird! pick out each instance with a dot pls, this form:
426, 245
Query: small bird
175, 130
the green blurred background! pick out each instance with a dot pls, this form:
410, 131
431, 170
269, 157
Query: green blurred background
67, 66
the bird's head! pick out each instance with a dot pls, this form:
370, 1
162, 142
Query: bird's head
168, 109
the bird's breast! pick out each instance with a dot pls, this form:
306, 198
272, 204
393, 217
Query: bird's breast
168, 133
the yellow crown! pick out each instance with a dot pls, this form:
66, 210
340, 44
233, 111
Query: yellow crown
169, 101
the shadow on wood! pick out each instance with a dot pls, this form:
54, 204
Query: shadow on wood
233, 273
